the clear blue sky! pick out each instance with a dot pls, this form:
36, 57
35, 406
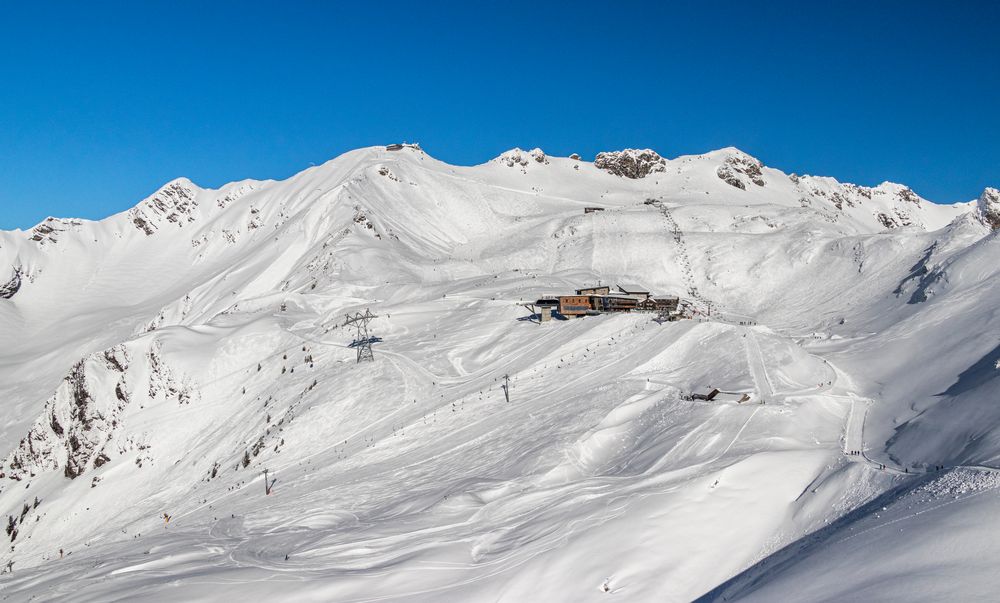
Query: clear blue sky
101, 103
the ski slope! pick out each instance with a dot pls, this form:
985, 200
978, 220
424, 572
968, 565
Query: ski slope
157, 362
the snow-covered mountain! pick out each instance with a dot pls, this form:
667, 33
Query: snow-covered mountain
155, 363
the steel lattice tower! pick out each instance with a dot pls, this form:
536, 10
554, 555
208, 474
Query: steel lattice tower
363, 340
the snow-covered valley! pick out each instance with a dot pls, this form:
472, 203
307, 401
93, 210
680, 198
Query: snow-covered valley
156, 363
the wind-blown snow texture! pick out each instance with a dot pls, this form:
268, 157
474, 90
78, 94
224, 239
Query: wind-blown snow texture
157, 362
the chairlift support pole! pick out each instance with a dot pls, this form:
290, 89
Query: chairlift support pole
363, 340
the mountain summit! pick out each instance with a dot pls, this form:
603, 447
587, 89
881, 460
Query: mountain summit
185, 416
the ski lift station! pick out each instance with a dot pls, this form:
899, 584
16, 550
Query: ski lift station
601, 299
399, 146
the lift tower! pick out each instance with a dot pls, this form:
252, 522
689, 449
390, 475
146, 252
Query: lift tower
363, 340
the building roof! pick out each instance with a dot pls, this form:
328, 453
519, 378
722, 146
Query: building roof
633, 288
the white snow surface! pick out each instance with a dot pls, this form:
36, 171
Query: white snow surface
155, 363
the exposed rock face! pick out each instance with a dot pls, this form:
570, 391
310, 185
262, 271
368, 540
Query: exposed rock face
840, 195
75, 423
631, 163
895, 220
255, 220
907, 194
162, 380
235, 194
174, 203
989, 207
81, 424
903, 201
522, 158
740, 169
48, 231
891, 205
729, 177
12, 286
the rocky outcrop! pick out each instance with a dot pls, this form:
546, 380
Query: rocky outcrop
48, 231
77, 421
516, 156
887, 221
907, 195
631, 163
81, 424
11, 287
163, 382
173, 204
890, 205
989, 208
255, 220
235, 193
903, 205
840, 195
729, 177
897, 218
738, 170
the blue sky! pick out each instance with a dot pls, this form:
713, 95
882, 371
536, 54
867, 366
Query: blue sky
101, 103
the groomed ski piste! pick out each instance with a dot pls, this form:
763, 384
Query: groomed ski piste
156, 363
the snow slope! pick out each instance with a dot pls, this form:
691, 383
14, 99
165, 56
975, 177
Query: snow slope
931, 539
158, 361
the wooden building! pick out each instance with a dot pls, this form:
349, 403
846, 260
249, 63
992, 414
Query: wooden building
636, 291
707, 397
575, 305
600, 299
667, 304
646, 305
598, 290
615, 303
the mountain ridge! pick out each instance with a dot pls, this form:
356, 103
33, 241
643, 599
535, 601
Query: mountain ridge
161, 359
236, 188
